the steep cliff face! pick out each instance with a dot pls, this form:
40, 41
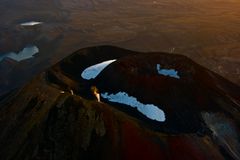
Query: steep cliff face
55, 116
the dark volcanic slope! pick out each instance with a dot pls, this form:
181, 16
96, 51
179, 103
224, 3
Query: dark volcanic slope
44, 120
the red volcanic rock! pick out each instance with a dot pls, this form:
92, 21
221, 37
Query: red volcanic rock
140, 145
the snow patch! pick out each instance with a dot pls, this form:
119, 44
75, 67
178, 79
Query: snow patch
149, 110
224, 131
168, 72
26, 53
93, 71
31, 23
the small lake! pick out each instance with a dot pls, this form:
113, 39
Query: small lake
94, 70
26, 53
168, 72
149, 110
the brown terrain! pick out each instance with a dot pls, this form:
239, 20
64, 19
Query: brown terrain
202, 109
207, 31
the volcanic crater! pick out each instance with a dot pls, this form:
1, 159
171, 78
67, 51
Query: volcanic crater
56, 115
